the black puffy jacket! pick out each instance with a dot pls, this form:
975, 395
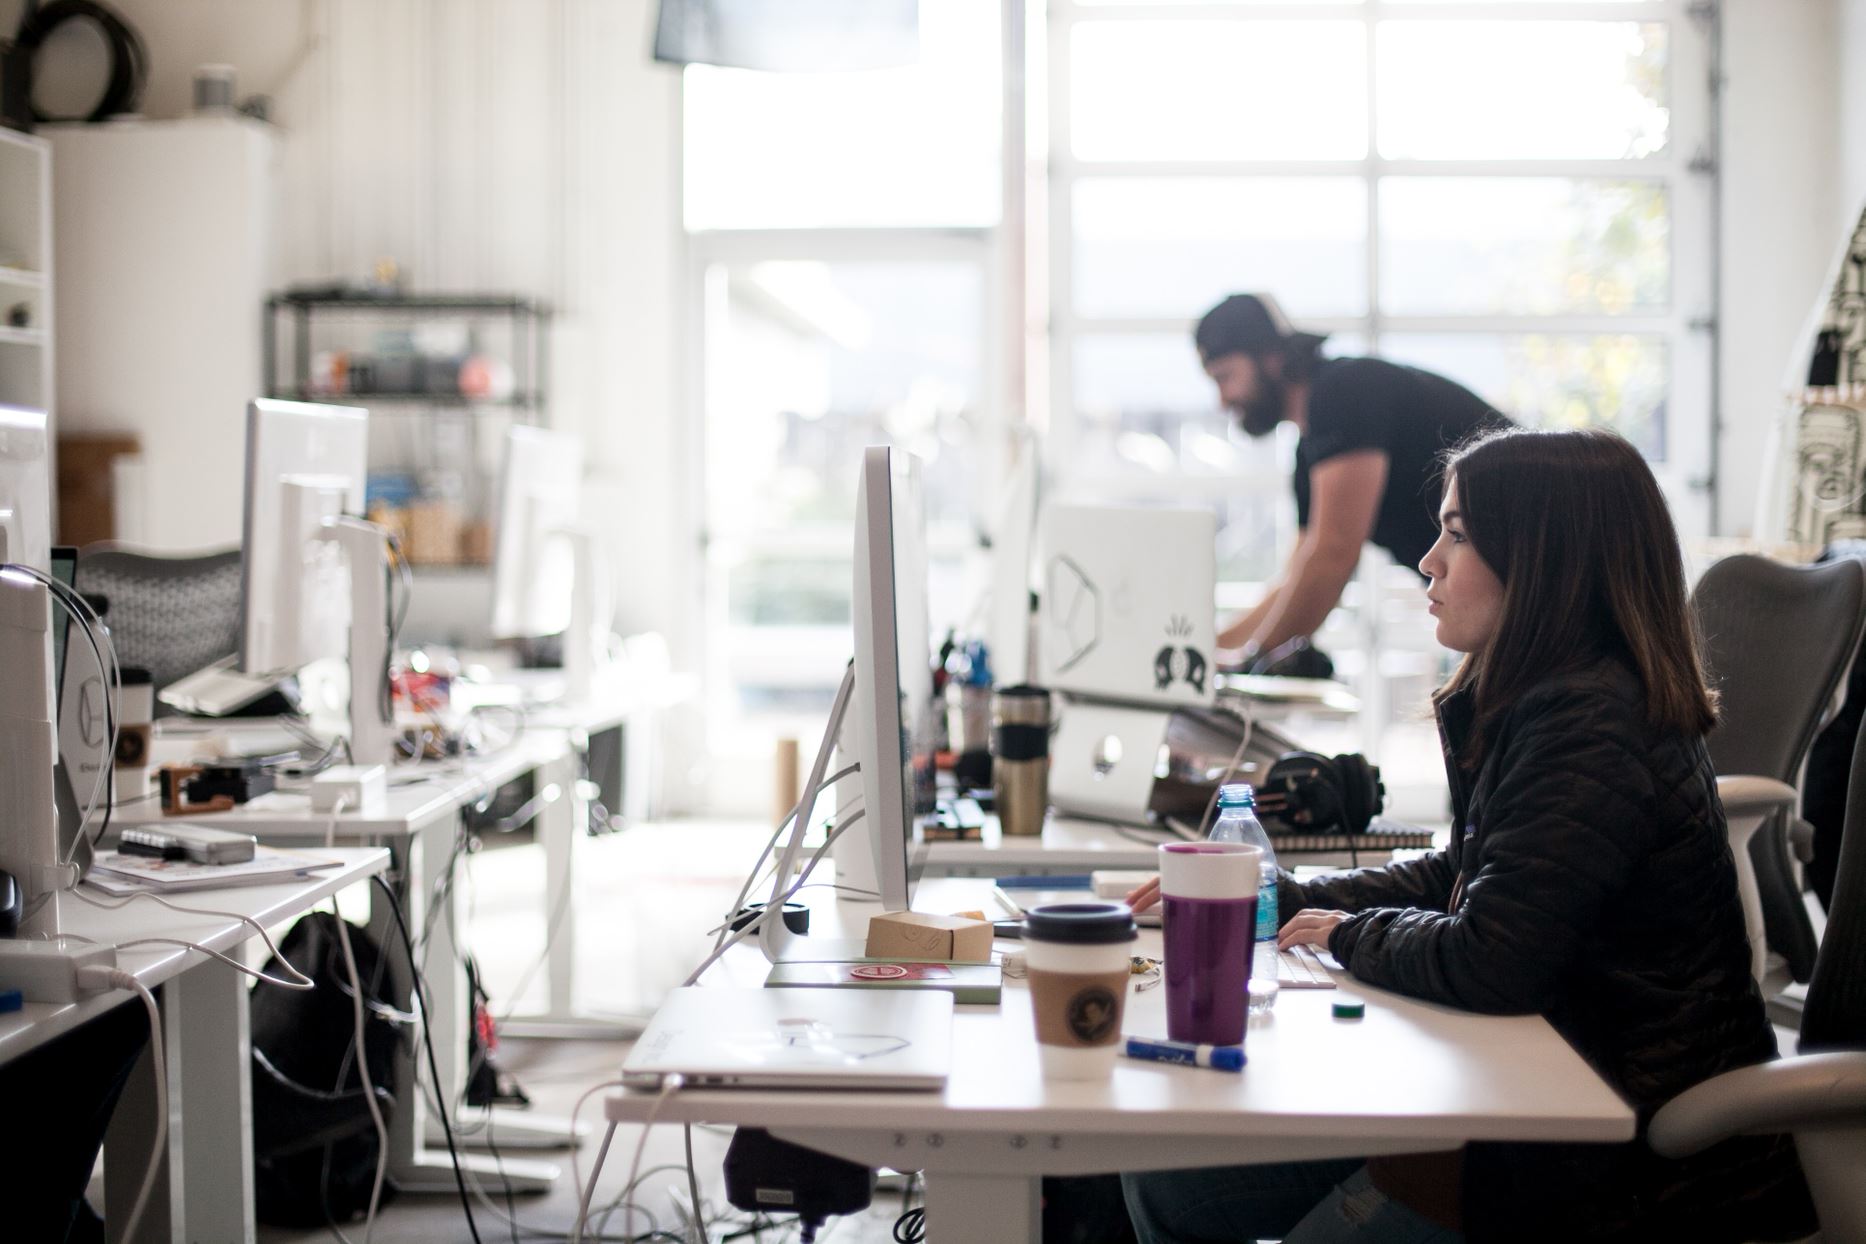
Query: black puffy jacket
1589, 879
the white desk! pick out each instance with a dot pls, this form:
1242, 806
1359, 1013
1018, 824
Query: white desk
205, 1192
419, 821
1411, 1077
1065, 846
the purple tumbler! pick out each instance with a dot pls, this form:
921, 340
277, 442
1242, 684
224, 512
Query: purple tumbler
1208, 892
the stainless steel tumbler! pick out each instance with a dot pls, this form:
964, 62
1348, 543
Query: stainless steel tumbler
1020, 757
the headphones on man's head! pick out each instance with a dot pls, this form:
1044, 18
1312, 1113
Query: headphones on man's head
1305, 791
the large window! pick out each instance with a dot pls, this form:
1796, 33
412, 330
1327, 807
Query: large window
1504, 190
1507, 191
843, 230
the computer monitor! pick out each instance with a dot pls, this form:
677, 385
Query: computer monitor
1007, 626
305, 464
533, 564
25, 489
891, 712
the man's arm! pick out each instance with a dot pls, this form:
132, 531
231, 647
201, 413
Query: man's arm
1345, 494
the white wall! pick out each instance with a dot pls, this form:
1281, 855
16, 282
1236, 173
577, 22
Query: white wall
522, 145
1784, 164
1850, 40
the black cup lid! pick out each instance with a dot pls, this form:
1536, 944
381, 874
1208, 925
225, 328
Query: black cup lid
1081, 924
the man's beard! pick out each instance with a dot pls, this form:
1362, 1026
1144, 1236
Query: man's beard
1260, 415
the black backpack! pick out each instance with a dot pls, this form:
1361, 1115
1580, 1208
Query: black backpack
314, 1144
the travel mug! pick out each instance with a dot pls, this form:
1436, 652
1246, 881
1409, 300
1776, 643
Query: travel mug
1078, 956
1208, 896
135, 718
1020, 757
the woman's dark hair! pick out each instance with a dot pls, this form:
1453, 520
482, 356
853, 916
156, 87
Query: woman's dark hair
1575, 527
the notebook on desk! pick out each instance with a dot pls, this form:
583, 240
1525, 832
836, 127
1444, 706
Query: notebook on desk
796, 1039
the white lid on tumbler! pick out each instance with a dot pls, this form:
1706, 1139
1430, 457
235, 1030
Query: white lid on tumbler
1209, 870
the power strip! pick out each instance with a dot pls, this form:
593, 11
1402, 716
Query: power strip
359, 788
48, 972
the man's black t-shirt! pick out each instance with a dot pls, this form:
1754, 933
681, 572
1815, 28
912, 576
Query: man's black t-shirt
1412, 416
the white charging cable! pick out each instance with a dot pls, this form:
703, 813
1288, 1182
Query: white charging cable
362, 1067
102, 978
670, 1084
299, 981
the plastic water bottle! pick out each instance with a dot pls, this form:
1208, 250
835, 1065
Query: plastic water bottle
1237, 822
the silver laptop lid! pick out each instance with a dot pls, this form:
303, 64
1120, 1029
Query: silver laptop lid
797, 1038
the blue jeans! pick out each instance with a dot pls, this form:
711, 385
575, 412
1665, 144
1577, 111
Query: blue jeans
1331, 1202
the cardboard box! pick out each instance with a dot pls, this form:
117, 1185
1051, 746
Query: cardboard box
920, 935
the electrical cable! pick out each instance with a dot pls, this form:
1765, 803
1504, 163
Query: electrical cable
117, 978
756, 925
693, 1183
751, 881
302, 981
362, 1067
427, 1038
81, 611
670, 1084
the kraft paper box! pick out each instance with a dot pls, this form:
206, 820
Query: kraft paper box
920, 935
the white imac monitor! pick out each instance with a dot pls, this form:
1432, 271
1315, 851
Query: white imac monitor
305, 464
1128, 611
25, 489
891, 722
533, 562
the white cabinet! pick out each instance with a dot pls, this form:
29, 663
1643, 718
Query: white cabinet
25, 271
164, 251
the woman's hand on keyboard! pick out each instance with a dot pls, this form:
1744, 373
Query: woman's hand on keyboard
1309, 927
1144, 895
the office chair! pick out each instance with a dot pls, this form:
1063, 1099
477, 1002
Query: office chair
1819, 1095
1777, 640
168, 615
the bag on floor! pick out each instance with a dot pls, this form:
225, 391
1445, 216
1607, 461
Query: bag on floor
314, 1143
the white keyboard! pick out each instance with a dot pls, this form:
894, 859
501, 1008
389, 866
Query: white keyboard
1299, 968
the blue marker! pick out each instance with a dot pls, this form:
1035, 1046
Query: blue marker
1218, 1057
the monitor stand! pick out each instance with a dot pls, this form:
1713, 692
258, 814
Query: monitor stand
366, 549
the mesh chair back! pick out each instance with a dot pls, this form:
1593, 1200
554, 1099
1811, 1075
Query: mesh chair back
1834, 1015
169, 615
1777, 639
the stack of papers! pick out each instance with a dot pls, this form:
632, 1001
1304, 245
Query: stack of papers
117, 873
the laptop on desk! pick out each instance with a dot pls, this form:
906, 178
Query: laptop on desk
796, 1039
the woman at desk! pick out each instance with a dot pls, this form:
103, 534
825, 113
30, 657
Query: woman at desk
1589, 879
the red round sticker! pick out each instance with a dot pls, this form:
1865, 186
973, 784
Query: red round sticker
878, 972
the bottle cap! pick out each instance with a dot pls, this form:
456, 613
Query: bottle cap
1237, 795
1350, 1008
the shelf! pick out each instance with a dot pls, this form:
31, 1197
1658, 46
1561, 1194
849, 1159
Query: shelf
517, 401
407, 302
22, 336
22, 277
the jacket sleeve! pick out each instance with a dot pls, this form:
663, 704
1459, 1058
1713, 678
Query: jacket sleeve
1422, 882
1559, 835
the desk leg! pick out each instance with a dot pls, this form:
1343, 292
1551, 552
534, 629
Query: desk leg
205, 1194
414, 1167
984, 1207
561, 830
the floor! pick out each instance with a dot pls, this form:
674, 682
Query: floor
650, 892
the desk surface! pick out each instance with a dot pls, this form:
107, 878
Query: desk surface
419, 795
270, 905
1411, 1076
